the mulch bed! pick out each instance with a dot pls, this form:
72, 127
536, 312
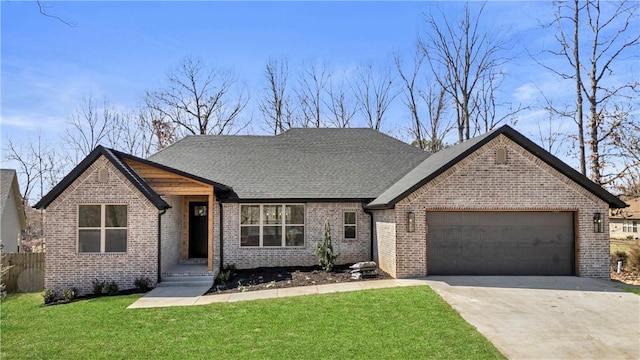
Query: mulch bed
284, 277
60, 301
627, 277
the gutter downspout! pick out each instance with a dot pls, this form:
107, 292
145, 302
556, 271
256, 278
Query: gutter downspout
368, 212
221, 237
160, 213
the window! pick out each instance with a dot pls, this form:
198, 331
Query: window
102, 228
349, 224
630, 226
271, 225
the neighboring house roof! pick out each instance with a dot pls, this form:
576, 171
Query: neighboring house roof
9, 183
439, 162
302, 164
630, 213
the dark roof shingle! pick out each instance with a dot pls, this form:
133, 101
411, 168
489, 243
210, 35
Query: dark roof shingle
297, 164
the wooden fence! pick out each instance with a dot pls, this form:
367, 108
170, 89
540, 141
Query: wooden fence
26, 272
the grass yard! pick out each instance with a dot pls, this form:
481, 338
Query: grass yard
396, 323
631, 290
621, 245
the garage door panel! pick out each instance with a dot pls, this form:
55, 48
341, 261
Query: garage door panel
500, 243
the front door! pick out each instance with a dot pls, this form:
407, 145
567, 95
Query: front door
198, 229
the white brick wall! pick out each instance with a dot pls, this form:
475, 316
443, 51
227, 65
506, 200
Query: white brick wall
351, 250
66, 268
477, 183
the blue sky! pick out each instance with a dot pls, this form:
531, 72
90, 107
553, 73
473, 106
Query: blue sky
117, 50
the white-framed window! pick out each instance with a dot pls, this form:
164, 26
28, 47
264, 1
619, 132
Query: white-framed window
630, 226
102, 228
350, 224
272, 225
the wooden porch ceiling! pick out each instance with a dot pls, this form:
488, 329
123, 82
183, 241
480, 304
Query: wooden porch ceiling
167, 183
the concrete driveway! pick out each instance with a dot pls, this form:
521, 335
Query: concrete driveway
530, 317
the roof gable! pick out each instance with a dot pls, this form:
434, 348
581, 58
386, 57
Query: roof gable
131, 175
439, 162
9, 185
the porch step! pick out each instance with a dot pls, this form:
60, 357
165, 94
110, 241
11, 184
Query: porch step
186, 280
194, 261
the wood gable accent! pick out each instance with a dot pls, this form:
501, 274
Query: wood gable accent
165, 182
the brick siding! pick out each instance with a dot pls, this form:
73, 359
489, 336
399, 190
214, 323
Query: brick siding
171, 233
478, 183
384, 239
350, 250
66, 268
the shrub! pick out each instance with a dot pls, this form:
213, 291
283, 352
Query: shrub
98, 287
324, 251
49, 296
142, 283
633, 258
230, 267
223, 276
112, 288
618, 256
69, 294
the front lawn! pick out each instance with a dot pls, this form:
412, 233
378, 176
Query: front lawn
387, 323
631, 290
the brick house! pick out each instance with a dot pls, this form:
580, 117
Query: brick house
497, 204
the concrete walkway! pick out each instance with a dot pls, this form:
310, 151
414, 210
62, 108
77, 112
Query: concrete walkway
194, 295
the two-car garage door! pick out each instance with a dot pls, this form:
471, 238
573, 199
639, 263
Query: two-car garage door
500, 243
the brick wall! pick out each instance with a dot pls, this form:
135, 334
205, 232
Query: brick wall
384, 239
524, 183
171, 233
66, 268
351, 250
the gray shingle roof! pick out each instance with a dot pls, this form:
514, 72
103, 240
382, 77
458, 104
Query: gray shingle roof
298, 164
442, 160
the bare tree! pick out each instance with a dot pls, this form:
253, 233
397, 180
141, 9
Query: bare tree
550, 136
89, 126
312, 87
439, 124
275, 104
462, 59
428, 133
411, 93
374, 93
40, 165
199, 100
340, 103
490, 111
608, 33
131, 133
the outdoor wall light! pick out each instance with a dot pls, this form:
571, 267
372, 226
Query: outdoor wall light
411, 221
597, 222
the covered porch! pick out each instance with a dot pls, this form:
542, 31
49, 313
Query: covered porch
186, 240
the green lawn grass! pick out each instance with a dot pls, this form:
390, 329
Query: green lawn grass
631, 290
398, 323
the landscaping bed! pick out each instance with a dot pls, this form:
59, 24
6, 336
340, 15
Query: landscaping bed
285, 277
